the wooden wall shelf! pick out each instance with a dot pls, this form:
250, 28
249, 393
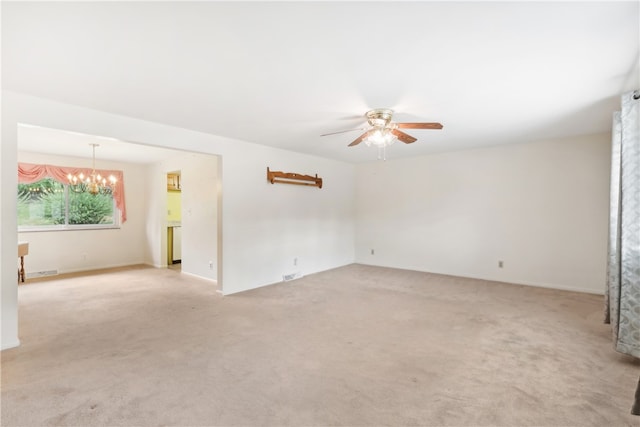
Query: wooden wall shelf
277, 177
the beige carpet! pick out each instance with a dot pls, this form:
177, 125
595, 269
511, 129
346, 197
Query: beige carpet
352, 346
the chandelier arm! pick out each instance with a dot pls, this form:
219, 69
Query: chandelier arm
94, 182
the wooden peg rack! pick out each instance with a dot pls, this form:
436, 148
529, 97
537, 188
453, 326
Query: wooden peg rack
277, 177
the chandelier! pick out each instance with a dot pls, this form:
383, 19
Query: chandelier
94, 183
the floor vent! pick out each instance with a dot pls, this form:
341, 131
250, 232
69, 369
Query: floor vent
35, 274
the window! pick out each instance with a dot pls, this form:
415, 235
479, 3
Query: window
50, 205
46, 202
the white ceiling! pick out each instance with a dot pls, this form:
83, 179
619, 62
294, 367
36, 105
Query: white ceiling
283, 73
39, 139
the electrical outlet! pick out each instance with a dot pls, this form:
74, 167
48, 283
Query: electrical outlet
295, 261
210, 265
500, 264
373, 252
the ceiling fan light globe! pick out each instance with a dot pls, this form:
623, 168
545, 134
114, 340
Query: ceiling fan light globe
380, 138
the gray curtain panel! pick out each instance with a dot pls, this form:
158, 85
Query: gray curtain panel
623, 269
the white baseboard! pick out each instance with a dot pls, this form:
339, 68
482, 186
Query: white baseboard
11, 344
99, 267
499, 280
214, 281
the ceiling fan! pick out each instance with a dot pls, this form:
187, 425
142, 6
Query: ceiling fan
384, 131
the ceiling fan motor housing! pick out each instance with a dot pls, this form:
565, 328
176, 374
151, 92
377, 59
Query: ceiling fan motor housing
380, 117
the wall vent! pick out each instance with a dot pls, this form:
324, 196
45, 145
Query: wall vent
35, 274
291, 276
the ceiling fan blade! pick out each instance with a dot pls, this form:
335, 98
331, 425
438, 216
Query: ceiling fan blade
406, 138
419, 125
362, 137
341, 131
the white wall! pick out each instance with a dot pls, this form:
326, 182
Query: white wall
263, 226
542, 208
199, 197
8, 235
200, 188
272, 224
78, 250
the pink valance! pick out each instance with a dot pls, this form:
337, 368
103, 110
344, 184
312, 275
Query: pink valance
29, 173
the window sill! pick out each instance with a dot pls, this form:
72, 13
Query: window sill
66, 228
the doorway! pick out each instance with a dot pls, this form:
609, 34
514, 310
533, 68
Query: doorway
142, 239
174, 220
187, 196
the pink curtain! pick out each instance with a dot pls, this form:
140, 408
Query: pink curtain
29, 173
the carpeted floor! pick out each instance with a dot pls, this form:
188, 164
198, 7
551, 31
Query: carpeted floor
353, 346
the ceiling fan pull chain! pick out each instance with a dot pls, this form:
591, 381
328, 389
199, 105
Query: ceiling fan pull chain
382, 152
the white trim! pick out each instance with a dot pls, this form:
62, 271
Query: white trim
99, 268
215, 282
493, 279
47, 229
11, 344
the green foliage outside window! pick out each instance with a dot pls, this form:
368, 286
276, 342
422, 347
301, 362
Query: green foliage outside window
87, 208
48, 203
